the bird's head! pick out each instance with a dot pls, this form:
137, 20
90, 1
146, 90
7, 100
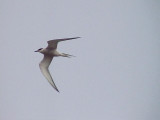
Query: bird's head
39, 50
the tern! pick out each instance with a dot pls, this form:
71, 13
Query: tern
49, 52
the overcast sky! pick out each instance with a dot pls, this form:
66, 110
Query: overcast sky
114, 76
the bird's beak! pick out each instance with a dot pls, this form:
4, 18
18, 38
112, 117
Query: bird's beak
36, 51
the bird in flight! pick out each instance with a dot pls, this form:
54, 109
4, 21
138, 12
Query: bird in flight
49, 52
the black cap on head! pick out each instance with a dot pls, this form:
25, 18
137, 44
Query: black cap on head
38, 50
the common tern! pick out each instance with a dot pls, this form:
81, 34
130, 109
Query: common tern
49, 52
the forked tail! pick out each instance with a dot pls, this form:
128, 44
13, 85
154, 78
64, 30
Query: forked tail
67, 55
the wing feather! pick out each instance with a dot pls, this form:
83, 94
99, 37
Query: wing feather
52, 44
44, 64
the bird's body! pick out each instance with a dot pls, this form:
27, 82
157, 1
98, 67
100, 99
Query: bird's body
49, 53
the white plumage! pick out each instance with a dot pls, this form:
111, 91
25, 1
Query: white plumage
49, 53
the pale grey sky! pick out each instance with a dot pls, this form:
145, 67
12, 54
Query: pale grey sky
114, 76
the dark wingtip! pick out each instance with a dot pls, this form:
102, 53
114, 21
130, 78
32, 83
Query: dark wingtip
57, 90
73, 38
77, 37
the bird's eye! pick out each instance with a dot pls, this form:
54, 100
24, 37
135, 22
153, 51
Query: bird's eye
40, 49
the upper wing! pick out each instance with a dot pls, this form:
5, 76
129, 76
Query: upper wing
52, 44
44, 64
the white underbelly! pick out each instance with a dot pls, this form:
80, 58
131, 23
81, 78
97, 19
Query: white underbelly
55, 53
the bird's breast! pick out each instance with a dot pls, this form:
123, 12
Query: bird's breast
51, 52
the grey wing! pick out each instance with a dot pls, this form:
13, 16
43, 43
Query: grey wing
44, 64
52, 44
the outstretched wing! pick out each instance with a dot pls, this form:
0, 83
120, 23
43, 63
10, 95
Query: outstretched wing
52, 44
44, 64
